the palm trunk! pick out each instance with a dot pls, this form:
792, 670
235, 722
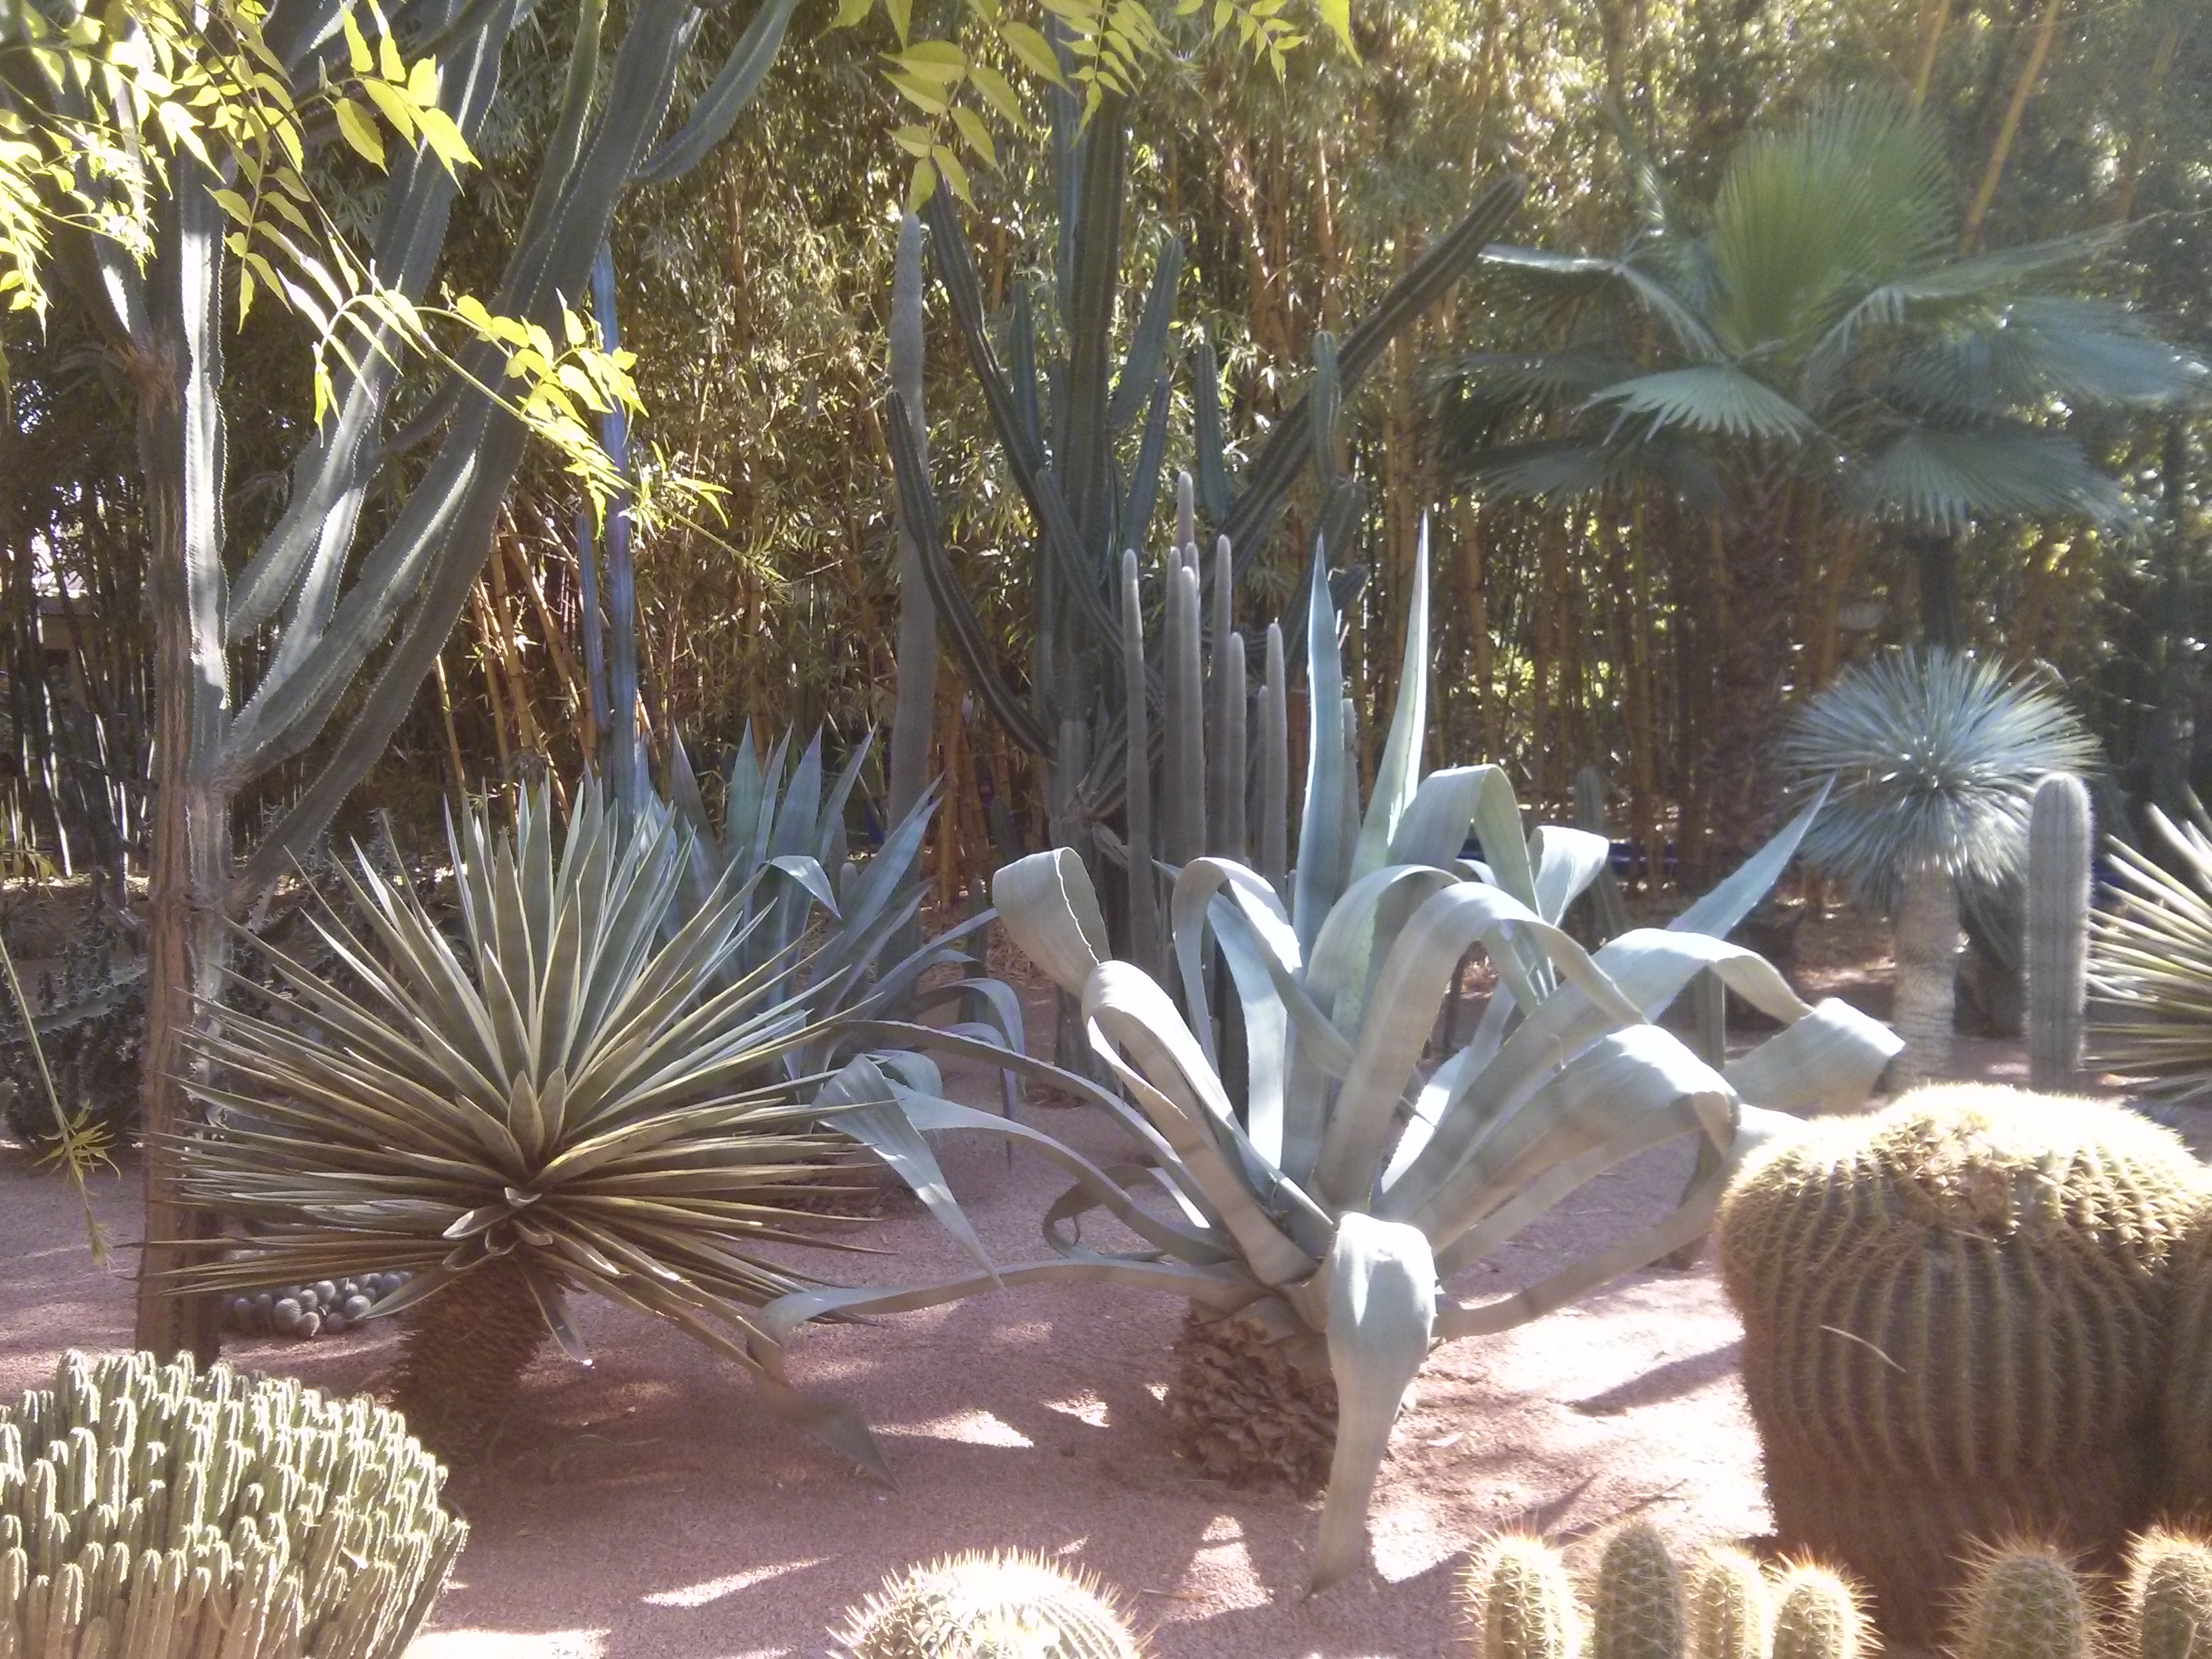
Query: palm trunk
1927, 939
462, 1357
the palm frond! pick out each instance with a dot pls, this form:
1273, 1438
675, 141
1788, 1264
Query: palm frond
1809, 216
1945, 478
1935, 756
2025, 354
1562, 468
1547, 274
1707, 398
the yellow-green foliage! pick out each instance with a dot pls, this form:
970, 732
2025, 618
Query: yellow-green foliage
1006, 1605
1731, 1610
1638, 1604
2169, 1609
1955, 1312
2023, 1603
148, 1511
1519, 1600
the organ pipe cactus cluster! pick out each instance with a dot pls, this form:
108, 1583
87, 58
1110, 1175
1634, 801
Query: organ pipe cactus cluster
1084, 437
1306, 1196
1520, 1604
2056, 945
150, 1510
1960, 1320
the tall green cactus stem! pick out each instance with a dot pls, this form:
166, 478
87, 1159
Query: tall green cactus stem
1519, 1602
1225, 781
1731, 1612
1817, 1616
2023, 1603
1182, 780
1004, 1606
1637, 1607
2169, 1597
2057, 955
151, 1510
1955, 1315
1145, 932
1272, 774
913, 721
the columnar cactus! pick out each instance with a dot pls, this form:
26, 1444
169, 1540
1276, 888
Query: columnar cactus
2169, 1606
1955, 1316
1817, 1616
148, 1510
1638, 1604
1731, 1611
2057, 955
1519, 1600
2023, 1604
989, 1605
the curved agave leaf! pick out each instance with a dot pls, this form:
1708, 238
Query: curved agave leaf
1398, 773
1382, 1316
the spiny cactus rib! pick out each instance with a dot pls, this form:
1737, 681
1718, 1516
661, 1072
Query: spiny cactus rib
148, 1510
1520, 1603
2023, 1603
1955, 1313
1731, 1612
2055, 955
2169, 1597
1817, 1616
989, 1605
1637, 1611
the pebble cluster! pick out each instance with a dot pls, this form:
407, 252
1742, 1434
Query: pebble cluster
322, 1309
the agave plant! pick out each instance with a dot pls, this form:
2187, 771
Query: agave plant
1935, 756
1325, 1197
575, 1096
2150, 962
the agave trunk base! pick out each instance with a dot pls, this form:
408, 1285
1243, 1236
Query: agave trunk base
462, 1355
1243, 1411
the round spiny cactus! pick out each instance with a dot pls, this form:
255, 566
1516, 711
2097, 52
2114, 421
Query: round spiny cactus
2169, 1597
1002, 1605
149, 1511
1955, 1316
2023, 1602
1519, 1600
1817, 1616
1731, 1610
2186, 1411
1636, 1612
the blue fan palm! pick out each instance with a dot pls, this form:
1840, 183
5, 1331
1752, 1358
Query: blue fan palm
1935, 756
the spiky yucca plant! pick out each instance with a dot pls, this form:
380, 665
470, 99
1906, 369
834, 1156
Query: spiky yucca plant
2150, 963
566, 1098
1935, 756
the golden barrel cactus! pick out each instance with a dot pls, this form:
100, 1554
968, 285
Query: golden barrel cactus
1956, 1314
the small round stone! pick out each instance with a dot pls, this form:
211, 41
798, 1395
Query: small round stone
287, 1315
325, 1292
310, 1324
356, 1307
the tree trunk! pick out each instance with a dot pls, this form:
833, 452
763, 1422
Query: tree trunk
1942, 617
178, 371
1928, 940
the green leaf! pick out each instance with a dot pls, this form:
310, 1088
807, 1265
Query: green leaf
1337, 14
1398, 773
1033, 50
358, 128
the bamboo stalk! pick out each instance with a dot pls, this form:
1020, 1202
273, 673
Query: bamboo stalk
481, 614
2039, 48
1936, 17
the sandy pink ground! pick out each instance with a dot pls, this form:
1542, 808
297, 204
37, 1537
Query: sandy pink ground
648, 1506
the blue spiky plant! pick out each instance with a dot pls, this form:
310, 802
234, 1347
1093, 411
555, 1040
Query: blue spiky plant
1936, 755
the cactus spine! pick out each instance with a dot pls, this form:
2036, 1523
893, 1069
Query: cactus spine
2023, 1604
1956, 1316
1520, 1603
981, 1606
1638, 1612
2057, 955
146, 1510
2169, 1610
1731, 1614
1817, 1616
